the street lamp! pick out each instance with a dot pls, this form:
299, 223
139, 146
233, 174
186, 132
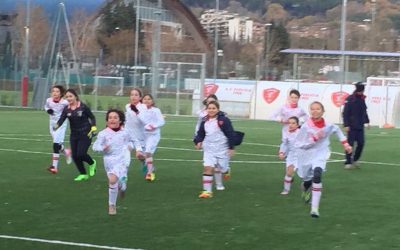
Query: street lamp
266, 48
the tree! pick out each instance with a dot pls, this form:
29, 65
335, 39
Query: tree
116, 33
38, 32
278, 40
276, 13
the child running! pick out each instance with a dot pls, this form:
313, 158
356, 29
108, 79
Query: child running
216, 137
312, 144
153, 120
83, 127
288, 152
54, 106
115, 143
290, 109
134, 125
203, 112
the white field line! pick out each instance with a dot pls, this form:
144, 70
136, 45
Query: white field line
232, 161
186, 149
59, 242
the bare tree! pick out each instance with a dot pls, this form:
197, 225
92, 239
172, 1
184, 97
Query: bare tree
38, 32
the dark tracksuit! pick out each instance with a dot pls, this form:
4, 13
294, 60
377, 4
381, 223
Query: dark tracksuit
81, 120
354, 117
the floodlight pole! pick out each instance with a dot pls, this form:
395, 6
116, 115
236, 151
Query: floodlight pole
343, 42
342, 49
136, 40
216, 39
156, 49
25, 78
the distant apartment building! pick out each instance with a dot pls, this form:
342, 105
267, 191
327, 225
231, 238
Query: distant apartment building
229, 25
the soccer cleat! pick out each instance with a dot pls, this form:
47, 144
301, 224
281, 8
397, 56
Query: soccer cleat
150, 176
205, 194
68, 155
314, 213
227, 174
306, 195
349, 166
285, 192
112, 210
356, 165
92, 168
220, 187
82, 177
52, 169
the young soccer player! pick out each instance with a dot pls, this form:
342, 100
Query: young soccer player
54, 106
216, 137
312, 144
83, 128
203, 112
355, 116
291, 108
115, 143
153, 120
288, 152
134, 125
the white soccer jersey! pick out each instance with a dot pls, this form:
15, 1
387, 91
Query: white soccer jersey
57, 107
312, 145
288, 147
285, 112
153, 120
117, 156
134, 125
200, 116
215, 146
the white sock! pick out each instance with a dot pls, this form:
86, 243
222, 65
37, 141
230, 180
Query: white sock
207, 182
55, 160
218, 177
316, 195
112, 193
287, 182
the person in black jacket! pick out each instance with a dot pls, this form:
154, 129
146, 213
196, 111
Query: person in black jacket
83, 128
217, 138
354, 117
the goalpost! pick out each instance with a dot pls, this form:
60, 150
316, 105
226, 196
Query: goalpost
112, 84
107, 86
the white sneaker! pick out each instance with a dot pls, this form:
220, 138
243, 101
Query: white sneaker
314, 213
112, 210
284, 192
220, 187
356, 164
348, 166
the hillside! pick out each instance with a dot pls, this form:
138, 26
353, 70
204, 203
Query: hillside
297, 8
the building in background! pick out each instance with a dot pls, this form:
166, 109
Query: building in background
230, 25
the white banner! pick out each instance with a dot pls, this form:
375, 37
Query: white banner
230, 90
380, 100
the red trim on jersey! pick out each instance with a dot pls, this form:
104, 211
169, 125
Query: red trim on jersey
319, 123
